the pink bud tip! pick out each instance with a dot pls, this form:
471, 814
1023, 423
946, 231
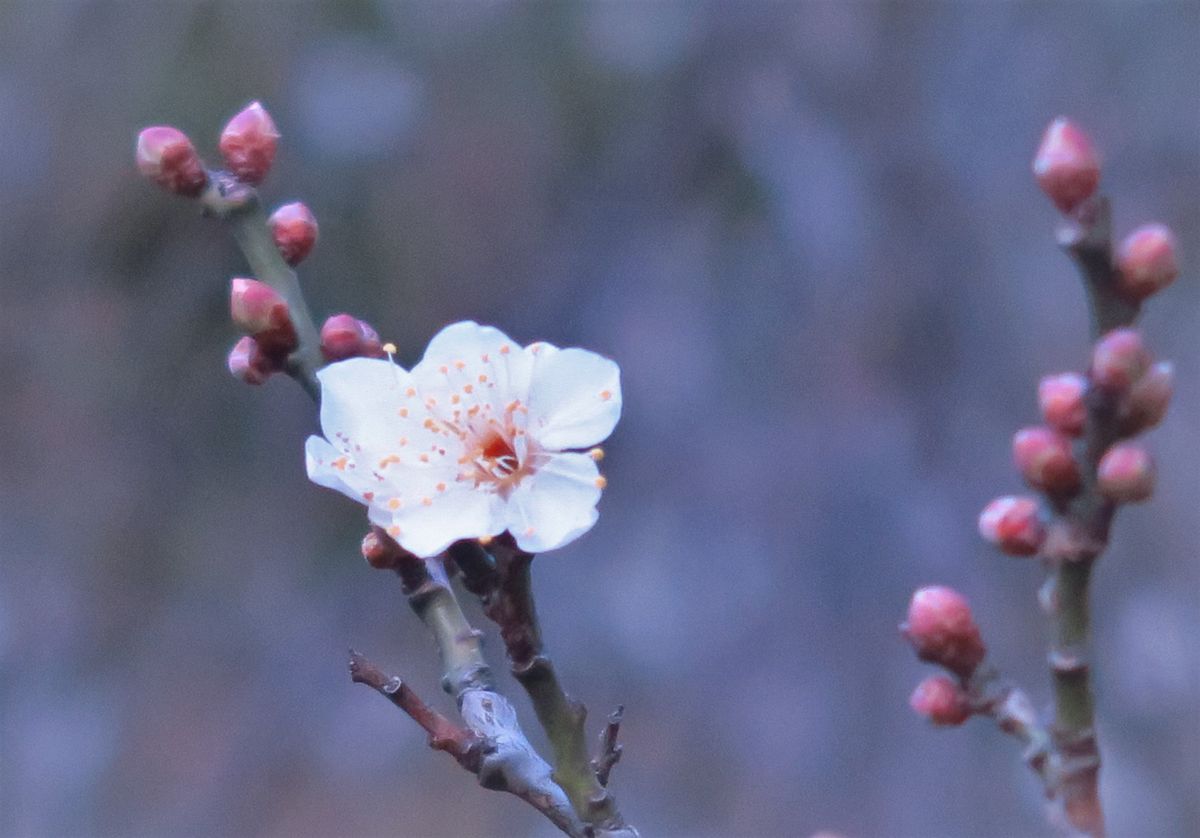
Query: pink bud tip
1147, 402
258, 310
342, 337
1013, 524
940, 700
1126, 473
166, 156
248, 144
1066, 166
294, 229
1146, 261
1044, 458
371, 346
248, 363
942, 630
380, 551
1061, 398
1119, 360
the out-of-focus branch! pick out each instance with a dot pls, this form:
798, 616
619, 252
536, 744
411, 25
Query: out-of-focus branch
610, 751
505, 591
507, 762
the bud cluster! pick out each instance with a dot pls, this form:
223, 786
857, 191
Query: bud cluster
258, 309
942, 631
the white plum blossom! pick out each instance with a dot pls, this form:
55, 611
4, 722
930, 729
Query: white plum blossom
482, 436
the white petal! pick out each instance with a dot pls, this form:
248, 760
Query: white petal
556, 504
574, 399
329, 467
466, 365
359, 402
427, 526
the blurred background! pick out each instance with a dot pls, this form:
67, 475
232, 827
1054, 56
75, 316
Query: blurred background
808, 233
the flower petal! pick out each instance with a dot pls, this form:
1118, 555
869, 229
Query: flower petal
574, 399
472, 364
556, 504
359, 402
428, 525
331, 468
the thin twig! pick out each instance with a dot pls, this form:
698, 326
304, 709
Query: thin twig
237, 203
508, 762
509, 603
610, 751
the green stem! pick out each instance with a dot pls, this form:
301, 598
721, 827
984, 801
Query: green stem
239, 205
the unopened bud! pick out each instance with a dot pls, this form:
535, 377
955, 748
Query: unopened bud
1013, 524
1147, 402
942, 630
249, 363
345, 336
1044, 458
166, 156
380, 551
1119, 360
1126, 473
1061, 398
248, 144
294, 229
1066, 166
258, 310
940, 700
1146, 261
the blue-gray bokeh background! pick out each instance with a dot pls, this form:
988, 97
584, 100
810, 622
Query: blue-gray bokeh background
807, 232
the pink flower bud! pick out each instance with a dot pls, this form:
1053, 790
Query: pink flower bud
380, 551
1013, 524
942, 630
258, 309
1044, 458
1126, 473
1066, 166
940, 700
166, 156
1118, 360
345, 336
1147, 402
248, 144
248, 363
1146, 261
295, 231
1061, 398
371, 346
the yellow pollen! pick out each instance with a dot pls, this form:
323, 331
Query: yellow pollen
455, 399
606, 394
424, 458
485, 540
394, 503
483, 379
431, 402
410, 392
504, 350
444, 369
388, 460
340, 463
430, 424
529, 531
441, 487
596, 454
458, 365
393, 531
403, 441
389, 348
468, 388
426, 501
601, 482
403, 412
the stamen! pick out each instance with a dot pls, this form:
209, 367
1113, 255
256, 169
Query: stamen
596, 454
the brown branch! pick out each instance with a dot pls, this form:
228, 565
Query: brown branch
466, 748
507, 761
507, 599
610, 751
